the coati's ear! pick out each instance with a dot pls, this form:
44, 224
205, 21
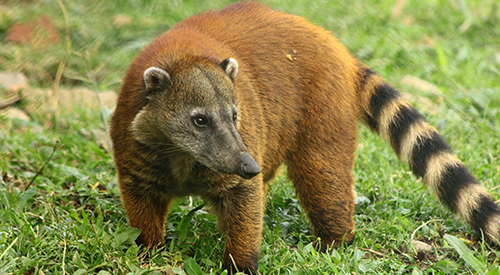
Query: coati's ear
155, 78
230, 66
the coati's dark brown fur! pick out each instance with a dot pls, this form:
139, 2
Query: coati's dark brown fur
230, 93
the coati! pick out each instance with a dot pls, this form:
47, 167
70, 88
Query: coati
216, 104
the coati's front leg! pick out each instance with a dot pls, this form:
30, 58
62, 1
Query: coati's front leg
240, 214
146, 209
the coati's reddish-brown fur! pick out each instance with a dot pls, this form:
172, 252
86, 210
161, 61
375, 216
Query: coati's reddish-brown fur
299, 94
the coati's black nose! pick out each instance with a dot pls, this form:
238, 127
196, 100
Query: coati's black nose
249, 168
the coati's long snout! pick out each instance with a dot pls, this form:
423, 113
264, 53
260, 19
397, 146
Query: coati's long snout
226, 153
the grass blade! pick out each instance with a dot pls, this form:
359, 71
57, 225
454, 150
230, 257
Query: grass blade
466, 254
191, 267
8, 248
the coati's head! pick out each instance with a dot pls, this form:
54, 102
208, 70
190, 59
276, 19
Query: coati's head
193, 109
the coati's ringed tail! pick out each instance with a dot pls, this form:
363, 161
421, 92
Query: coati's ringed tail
429, 156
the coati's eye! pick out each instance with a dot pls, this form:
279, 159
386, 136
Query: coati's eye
200, 121
235, 116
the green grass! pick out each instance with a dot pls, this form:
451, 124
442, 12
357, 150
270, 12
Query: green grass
68, 219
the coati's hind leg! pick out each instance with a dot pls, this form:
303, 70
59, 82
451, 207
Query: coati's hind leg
321, 170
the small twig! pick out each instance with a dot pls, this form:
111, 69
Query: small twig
422, 225
496, 187
43, 166
64, 259
38, 172
10, 102
380, 254
8, 248
418, 228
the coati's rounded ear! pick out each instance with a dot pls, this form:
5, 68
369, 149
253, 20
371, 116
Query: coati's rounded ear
230, 66
155, 78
